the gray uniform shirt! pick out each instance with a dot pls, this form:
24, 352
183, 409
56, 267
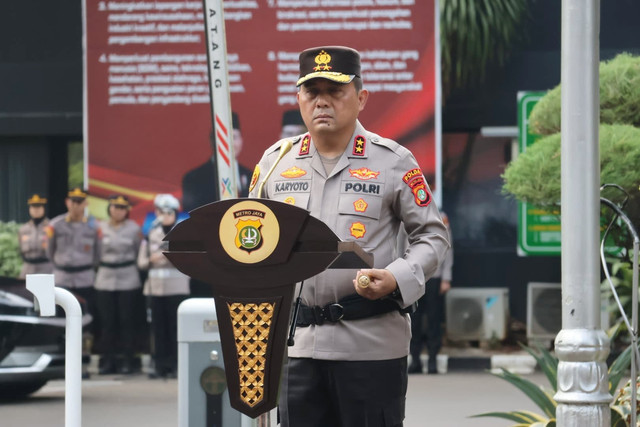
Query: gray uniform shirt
445, 269
74, 248
120, 245
375, 186
33, 246
164, 279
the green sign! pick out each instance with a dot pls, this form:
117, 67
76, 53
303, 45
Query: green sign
538, 230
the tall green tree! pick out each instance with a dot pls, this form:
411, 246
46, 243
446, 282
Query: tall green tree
475, 34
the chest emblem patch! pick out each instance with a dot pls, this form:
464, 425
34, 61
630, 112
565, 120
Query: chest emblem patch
360, 205
293, 172
364, 174
415, 180
359, 144
290, 200
357, 230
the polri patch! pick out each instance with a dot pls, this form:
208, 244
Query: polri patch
415, 180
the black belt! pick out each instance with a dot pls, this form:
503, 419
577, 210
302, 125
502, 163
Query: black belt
74, 269
117, 264
351, 307
39, 260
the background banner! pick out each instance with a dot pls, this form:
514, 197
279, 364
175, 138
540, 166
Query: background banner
147, 116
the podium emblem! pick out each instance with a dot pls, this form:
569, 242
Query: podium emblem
249, 231
249, 237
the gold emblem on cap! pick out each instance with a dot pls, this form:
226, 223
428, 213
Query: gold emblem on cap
120, 201
322, 59
36, 200
364, 281
76, 192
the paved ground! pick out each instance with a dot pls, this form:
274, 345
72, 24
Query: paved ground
433, 400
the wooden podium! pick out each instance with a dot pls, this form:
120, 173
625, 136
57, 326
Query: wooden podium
252, 252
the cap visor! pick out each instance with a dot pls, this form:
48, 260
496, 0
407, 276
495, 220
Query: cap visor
336, 77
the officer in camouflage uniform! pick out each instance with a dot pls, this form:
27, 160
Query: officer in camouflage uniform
74, 248
118, 284
352, 370
33, 239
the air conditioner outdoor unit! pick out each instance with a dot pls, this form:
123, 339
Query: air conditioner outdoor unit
477, 313
544, 310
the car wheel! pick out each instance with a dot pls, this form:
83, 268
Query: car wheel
20, 390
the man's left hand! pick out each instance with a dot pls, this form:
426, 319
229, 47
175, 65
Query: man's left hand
382, 283
445, 285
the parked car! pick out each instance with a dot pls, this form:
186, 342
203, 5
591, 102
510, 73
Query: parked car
31, 347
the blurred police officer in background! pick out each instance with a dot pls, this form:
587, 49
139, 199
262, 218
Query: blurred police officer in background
351, 369
117, 285
165, 286
74, 249
33, 239
430, 307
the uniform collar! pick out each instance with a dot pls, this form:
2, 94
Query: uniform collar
67, 218
356, 149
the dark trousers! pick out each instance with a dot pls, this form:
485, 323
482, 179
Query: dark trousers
117, 317
430, 308
164, 328
343, 393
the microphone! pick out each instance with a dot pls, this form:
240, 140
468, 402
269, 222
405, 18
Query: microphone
285, 147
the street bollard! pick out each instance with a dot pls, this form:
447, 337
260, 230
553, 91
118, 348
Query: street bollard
203, 398
47, 295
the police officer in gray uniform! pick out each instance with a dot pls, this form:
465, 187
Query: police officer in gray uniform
165, 286
430, 307
350, 369
74, 248
117, 285
33, 239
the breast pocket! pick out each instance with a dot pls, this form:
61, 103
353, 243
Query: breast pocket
358, 216
294, 192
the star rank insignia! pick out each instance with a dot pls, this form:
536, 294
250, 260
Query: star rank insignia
304, 146
358, 145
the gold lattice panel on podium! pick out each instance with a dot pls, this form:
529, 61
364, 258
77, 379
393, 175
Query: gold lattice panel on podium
251, 325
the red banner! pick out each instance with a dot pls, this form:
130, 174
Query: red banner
147, 113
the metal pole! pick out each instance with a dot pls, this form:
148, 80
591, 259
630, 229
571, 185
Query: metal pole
72, 357
47, 295
582, 346
634, 340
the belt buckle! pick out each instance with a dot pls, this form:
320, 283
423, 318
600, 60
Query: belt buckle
333, 312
